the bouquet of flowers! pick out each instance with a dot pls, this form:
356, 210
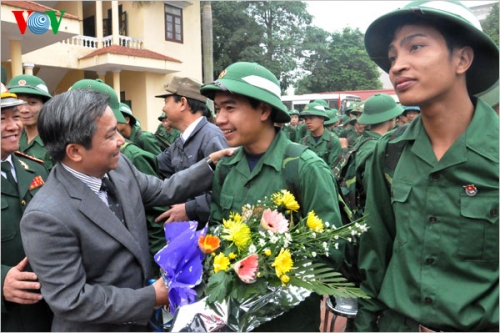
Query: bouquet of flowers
258, 264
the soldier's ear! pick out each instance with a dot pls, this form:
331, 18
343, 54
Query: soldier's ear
465, 57
266, 111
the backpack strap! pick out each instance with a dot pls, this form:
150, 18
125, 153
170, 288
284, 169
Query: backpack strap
393, 152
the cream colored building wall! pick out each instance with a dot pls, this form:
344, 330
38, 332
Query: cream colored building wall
68, 80
73, 8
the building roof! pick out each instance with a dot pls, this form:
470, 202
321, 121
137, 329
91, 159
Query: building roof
28, 5
127, 51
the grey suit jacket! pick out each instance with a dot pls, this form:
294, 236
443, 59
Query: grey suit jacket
93, 270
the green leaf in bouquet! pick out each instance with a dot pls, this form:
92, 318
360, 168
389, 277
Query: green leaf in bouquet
217, 287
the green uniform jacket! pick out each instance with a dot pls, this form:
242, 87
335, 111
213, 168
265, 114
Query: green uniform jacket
431, 251
318, 193
364, 155
145, 140
351, 135
169, 137
35, 148
147, 163
328, 151
29, 173
290, 132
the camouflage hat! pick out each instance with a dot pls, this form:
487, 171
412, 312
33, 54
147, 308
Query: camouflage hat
379, 108
251, 80
333, 115
10, 99
315, 109
163, 116
483, 72
101, 87
183, 86
30, 85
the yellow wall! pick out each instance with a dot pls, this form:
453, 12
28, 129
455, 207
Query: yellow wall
68, 80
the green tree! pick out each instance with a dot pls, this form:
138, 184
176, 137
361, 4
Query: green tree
490, 25
342, 65
268, 32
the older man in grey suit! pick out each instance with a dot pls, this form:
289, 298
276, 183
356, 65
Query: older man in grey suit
92, 259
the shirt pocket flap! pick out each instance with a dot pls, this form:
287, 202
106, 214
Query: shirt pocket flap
226, 200
400, 191
480, 208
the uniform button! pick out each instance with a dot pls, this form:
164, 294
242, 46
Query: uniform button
247, 186
432, 219
429, 260
435, 176
23, 202
494, 212
428, 300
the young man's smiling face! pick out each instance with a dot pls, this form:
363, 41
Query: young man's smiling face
240, 122
422, 69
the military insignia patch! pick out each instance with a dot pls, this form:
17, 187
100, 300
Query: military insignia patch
25, 166
221, 75
470, 190
37, 182
22, 82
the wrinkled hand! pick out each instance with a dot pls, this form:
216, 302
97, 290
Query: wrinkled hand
17, 283
343, 143
176, 213
215, 157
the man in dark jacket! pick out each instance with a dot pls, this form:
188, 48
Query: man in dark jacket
184, 108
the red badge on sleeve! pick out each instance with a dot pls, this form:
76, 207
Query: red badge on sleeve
37, 182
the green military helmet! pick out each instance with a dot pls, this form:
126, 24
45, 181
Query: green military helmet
379, 108
456, 17
162, 117
251, 80
322, 102
357, 108
294, 112
126, 110
101, 87
410, 108
345, 119
490, 96
29, 84
10, 99
4, 75
315, 109
333, 115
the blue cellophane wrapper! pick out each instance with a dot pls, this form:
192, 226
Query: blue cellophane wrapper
238, 315
181, 262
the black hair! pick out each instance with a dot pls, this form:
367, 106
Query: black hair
194, 105
70, 117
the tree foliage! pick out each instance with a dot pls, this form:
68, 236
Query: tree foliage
267, 32
337, 62
490, 25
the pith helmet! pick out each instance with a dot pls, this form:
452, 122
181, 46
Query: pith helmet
29, 84
379, 108
251, 80
483, 72
101, 87
322, 102
333, 115
126, 110
315, 109
9, 99
490, 96
410, 108
294, 112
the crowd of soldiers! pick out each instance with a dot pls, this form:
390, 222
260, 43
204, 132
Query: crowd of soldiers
89, 190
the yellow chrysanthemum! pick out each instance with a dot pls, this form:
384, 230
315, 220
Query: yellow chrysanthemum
235, 217
286, 199
221, 263
232, 255
267, 252
237, 232
314, 222
283, 262
285, 278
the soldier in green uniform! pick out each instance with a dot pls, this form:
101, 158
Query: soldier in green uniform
430, 257
332, 124
290, 129
143, 160
354, 130
23, 308
411, 112
321, 141
132, 131
165, 133
246, 113
34, 91
379, 115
